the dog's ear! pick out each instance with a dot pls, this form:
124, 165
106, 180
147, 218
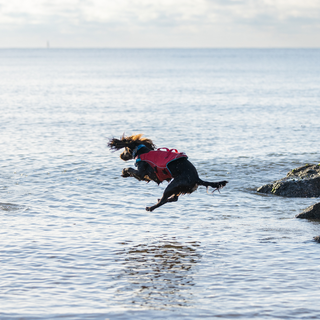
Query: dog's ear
116, 144
130, 141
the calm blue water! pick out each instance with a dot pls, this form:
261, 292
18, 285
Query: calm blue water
75, 239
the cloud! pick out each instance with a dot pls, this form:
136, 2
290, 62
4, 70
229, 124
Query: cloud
148, 11
120, 12
153, 12
165, 18
269, 11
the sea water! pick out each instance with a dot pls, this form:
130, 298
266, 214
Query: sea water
75, 239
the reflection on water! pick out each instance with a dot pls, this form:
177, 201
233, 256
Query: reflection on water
158, 275
9, 207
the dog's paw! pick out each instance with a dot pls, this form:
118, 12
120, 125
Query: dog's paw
148, 208
125, 173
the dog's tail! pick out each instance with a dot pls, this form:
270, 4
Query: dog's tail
215, 185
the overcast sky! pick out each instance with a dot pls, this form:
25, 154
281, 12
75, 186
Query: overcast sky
159, 23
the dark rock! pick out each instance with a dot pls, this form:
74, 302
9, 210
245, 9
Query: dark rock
312, 212
303, 182
317, 239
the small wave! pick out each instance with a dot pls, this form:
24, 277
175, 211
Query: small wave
10, 207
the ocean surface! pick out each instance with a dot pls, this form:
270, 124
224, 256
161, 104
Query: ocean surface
75, 239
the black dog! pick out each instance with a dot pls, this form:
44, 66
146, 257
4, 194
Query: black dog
159, 165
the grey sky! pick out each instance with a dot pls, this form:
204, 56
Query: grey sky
155, 23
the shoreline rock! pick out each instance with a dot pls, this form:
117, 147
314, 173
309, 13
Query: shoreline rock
316, 239
302, 182
312, 212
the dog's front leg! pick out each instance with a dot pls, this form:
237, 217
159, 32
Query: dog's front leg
125, 173
130, 172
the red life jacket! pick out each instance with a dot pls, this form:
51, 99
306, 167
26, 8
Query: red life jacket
159, 160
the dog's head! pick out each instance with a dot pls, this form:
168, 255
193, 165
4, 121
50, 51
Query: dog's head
127, 154
129, 144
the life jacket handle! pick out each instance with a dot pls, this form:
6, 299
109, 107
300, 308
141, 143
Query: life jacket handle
168, 150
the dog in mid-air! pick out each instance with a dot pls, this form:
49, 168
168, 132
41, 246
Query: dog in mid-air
159, 165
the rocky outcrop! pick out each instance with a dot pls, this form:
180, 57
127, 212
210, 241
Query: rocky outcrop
312, 212
303, 182
317, 239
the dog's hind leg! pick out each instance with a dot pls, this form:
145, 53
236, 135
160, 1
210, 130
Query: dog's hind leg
161, 202
174, 198
170, 194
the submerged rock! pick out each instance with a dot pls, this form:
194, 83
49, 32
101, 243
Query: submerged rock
317, 239
312, 212
303, 182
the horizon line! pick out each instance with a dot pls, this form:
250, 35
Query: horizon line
153, 48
